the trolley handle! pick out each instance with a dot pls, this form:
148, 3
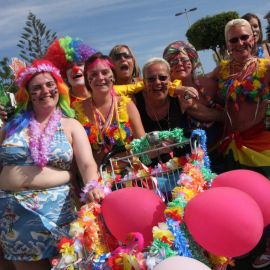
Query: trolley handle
115, 150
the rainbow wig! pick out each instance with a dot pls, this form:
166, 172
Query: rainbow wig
63, 52
21, 117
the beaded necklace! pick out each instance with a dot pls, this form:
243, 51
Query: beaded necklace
39, 143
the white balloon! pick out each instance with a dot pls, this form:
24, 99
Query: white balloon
181, 263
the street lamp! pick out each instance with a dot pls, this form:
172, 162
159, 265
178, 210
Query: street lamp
186, 12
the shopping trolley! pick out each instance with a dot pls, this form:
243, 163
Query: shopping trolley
149, 163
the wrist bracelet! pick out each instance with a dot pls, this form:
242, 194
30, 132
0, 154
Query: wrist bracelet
90, 186
87, 188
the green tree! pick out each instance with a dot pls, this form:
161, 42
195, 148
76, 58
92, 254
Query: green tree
35, 39
6, 76
208, 33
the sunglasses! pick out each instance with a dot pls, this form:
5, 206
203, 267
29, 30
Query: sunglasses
125, 55
161, 78
236, 39
182, 60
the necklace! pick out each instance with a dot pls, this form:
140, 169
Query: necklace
239, 71
157, 117
106, 130
39, 142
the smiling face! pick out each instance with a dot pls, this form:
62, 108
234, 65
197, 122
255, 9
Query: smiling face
124, 65
181, 67
100, 77
156, 78
240, 42
256, 29
43, 91
75, 74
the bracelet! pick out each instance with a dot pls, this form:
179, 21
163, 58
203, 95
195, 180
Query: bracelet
90, 186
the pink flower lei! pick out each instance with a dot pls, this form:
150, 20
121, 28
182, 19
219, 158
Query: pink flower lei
39, 143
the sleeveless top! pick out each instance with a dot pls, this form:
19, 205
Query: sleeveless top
15, 150
174, 119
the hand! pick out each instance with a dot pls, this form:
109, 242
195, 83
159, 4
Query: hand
96, 195
3, 114
185, 104
187, 92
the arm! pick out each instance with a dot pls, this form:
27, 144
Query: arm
135, 120
84, 158
201, 112
129, 89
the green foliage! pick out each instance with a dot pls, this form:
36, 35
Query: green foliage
35, 39
208, 32
6, 76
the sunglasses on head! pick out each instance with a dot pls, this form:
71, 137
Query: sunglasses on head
236, 39
125, 55
182, 60
161, 78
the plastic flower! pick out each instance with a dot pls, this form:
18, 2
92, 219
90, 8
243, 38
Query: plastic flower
162, 233
76, 229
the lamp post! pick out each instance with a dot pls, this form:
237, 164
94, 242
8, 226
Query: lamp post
186, 12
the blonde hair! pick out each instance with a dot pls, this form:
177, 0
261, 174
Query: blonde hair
236, 22
155, 60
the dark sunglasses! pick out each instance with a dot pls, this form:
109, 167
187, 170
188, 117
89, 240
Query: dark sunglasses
236, 39
161, 78
183, 60
125, 55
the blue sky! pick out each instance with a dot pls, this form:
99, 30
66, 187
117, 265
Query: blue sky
147, 26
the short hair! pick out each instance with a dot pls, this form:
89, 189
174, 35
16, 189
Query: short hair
136, 70
236, 22
153, 61
248, 17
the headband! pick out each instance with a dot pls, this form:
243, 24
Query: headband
38, 66
173, 49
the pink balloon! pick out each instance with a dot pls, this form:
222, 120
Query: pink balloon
253, 183
178, 263
132, 209
224, 221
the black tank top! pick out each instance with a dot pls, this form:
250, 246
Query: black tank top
174, 119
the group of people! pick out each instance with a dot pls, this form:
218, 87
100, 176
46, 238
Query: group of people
42, 147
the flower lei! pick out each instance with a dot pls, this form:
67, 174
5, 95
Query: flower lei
119, 132
251, 88
40, 140
114, 135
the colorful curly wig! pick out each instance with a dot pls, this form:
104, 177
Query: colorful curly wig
65, 51
21, 117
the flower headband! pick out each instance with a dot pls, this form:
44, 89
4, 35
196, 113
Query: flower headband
24, 74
